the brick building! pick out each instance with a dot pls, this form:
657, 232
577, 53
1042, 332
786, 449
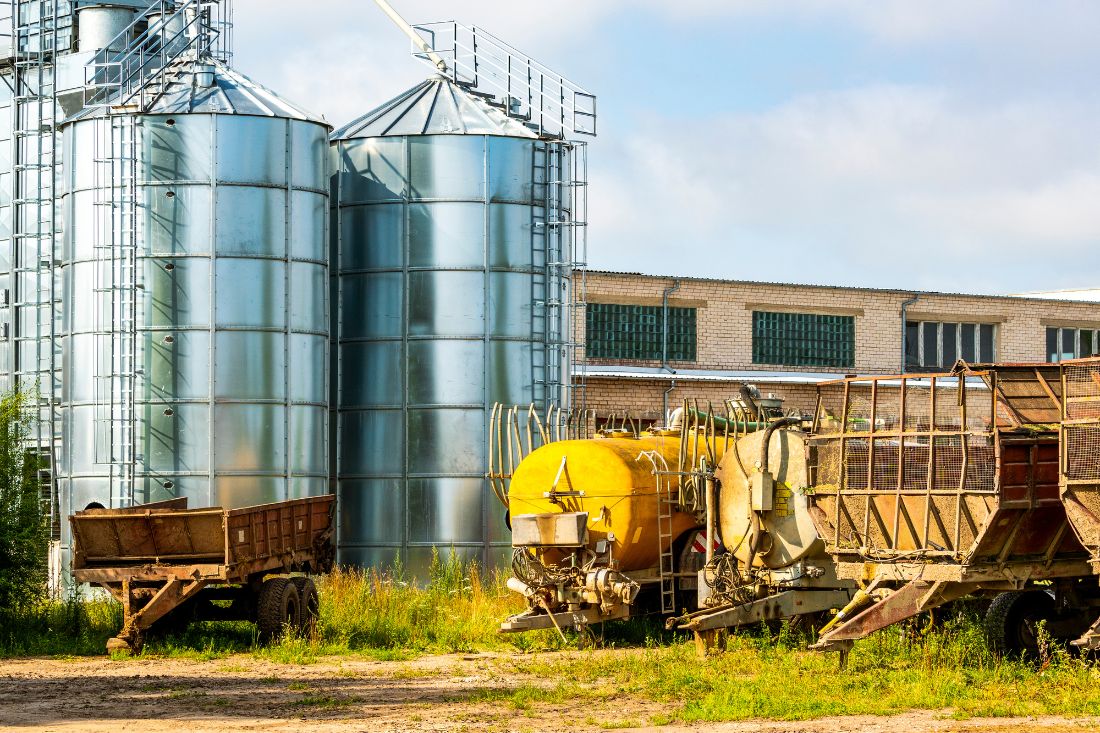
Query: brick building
787, 338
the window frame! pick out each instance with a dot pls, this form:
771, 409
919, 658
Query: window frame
846, 361
681, 340
1059, 341
959, 327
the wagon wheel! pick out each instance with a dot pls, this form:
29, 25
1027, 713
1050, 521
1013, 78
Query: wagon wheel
310, 603
1013, 621
279, 608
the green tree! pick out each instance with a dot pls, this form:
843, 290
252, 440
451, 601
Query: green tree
24, 532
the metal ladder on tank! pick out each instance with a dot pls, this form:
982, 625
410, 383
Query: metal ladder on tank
115, 238
666, 565
666, 561
34, 36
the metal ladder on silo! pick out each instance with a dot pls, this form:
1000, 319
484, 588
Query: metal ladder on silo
114, 245
553, 293
115, 81
542, 378
34, 35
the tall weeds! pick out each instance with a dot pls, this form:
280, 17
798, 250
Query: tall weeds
456, 610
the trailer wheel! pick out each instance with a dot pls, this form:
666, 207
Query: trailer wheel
278, 608
1012, 621
310, 603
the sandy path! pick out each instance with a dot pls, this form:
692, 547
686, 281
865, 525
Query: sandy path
340, 695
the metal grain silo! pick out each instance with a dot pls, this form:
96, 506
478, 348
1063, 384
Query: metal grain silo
450, 279
195, 277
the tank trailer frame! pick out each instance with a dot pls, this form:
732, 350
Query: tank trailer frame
585, 586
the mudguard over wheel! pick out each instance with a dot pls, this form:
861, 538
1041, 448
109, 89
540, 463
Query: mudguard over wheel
278, 608
309, 602
1013, 621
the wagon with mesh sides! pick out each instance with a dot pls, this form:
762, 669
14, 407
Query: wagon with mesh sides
168, 564
931, 487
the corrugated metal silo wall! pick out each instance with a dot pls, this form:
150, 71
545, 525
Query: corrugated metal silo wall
232, 328
439, 256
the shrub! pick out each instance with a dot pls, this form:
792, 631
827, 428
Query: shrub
24, 533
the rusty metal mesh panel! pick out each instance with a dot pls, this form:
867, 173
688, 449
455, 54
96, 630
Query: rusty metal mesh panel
830, 409
935, 458
1082, 431
1082, 394
859, 407
981, 468
915, 464
918, 407
884, 466
947, 407
826, 462
1083, 452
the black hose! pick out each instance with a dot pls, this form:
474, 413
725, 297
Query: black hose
766, 440
750, 403
757, 532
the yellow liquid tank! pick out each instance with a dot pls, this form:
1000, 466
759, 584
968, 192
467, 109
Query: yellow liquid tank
617, 487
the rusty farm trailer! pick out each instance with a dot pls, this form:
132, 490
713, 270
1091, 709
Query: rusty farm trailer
166, 563
930, 488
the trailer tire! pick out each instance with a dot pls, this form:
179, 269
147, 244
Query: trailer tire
309, 602
1010, 622
278, 608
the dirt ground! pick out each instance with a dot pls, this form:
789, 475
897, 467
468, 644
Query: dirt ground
339, 695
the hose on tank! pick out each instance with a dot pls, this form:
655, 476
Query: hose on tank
765, 442
757, 534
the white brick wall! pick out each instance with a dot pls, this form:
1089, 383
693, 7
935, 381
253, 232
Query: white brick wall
724, 328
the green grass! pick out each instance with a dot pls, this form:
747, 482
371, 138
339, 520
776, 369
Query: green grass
59, 628
379, 614
762, 675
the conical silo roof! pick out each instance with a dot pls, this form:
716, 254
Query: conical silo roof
231, 93
436, 106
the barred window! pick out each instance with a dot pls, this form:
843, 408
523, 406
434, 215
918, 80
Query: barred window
635, 332
1072, 343
803, 339
932, 346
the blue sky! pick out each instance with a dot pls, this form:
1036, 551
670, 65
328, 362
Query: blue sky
919, 144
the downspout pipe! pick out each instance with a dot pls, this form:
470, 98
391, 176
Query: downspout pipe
664, 327
664, 406
904, 320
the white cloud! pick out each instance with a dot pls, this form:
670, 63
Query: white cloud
893, 186
984, 180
